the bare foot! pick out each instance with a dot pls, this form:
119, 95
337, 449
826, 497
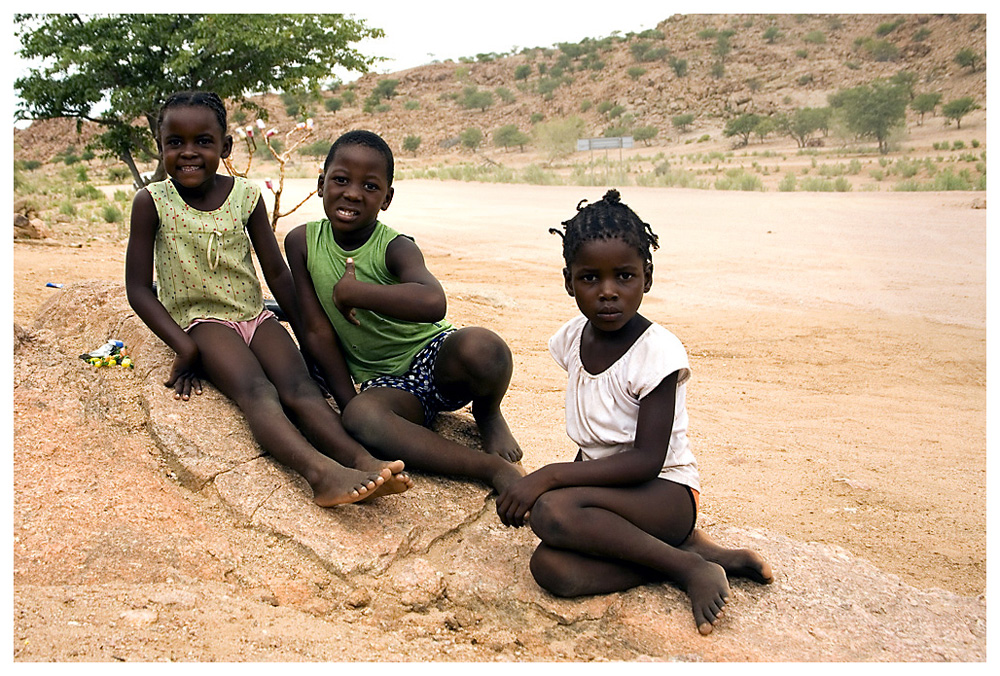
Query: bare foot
341, 485
497, 437
736, 562
708, 589
505, 474
397, 483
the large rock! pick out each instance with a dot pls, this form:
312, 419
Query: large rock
439, 548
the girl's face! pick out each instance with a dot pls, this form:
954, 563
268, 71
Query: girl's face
193, 143
608, 279
354, 188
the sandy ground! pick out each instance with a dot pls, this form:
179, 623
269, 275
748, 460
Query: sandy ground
838, 351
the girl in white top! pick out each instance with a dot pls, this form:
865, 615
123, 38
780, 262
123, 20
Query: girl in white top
626, 516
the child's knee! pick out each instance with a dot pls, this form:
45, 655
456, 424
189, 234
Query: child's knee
483, 354
550, 575
550, 519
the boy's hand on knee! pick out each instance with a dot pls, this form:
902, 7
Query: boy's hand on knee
340, 290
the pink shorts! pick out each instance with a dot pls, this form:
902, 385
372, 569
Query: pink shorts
245, 329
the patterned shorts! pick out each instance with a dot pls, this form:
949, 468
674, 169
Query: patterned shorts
419, 381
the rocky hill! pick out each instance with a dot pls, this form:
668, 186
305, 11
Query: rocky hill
710, 66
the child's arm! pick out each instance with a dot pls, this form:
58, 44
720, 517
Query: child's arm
640, 464
417, 298
272, 264
318, 336
139, 289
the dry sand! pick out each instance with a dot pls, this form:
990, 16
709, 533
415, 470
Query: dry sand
837, 344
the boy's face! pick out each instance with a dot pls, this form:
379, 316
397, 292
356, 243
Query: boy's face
354, 189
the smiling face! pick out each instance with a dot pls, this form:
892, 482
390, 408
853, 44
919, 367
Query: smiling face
354, 188
193, 143
608, 278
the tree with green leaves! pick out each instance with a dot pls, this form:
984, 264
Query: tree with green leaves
645, 133
557, 138
802, 123
682, 122
968, 58
116, 69
509, 135
959, 108
742, 127
925, 103
471, 138
411, 143
873, 111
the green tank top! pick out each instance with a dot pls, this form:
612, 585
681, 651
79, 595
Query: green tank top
381, 345
203, 262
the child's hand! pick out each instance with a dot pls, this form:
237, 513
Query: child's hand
514, 504
342, 289
183, 376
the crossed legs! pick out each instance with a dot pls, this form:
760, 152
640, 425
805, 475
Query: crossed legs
597, 540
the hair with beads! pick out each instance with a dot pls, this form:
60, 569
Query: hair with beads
605, 219
209, 100
368, 139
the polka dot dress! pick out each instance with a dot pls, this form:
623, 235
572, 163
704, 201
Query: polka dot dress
203, 261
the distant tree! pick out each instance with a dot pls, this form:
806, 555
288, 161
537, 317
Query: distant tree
959, 108
722, 47
411, 143
471, 138
118, 69
765, 126
509, 135
635, 72
645, 134
522, 72
968, 58
333, 104
506, 95
680, 66
802, 123
682, 122
906, 79
386, 88
772, 34
742, 127
873, 111
475, 98
925, 103
557, 138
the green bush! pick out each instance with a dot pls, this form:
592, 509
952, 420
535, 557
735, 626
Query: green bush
111, 213
815, 37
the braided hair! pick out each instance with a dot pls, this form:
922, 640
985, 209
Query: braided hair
605, 219
210, 100
368, 139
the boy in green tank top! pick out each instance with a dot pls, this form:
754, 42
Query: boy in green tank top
373, 314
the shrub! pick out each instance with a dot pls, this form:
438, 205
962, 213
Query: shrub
111, 213
772, 34
333, 104
787, 184
411, 143
682, 122
471, 137
680, 66
522, 72
815, 37
635, 72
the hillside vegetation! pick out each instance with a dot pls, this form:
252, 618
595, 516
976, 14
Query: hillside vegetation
500, 117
